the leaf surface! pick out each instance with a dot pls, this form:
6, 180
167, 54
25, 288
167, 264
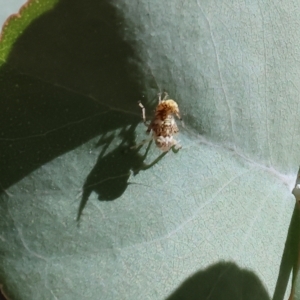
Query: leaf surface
213, 217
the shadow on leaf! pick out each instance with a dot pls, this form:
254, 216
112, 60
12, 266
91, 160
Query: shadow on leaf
68, 78
289, 260
224, 280
109, 177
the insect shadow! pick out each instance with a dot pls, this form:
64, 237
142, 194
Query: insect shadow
109, 177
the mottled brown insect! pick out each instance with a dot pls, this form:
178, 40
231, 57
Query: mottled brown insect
163, 126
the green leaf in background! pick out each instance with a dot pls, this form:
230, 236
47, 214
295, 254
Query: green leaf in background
213, 221
15, 25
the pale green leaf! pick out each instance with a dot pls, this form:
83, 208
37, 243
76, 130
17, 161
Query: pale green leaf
210, 222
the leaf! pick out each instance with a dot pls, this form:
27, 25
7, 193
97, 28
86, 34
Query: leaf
215, 215
16, 23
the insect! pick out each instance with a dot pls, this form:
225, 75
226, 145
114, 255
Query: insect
163, 126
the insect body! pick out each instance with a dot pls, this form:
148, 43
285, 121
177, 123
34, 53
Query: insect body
163, 125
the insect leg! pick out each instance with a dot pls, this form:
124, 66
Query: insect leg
166, 96
143, 112
176, 147
159, 97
